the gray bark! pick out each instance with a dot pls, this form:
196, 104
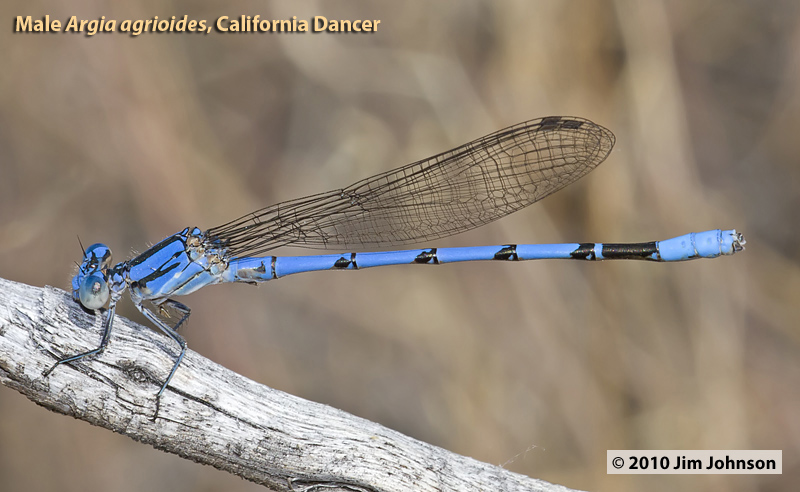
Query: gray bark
212, 415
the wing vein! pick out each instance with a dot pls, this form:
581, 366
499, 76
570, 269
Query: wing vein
446, 194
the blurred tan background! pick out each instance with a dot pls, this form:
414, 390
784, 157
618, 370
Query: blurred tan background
539, 366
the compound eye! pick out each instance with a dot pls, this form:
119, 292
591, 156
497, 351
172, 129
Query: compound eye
100, 255
94, 291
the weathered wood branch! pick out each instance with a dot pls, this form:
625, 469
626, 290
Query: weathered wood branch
212, 415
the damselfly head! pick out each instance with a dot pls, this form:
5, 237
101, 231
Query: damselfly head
90, 284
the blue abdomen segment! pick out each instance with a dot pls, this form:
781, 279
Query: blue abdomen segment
708, 244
